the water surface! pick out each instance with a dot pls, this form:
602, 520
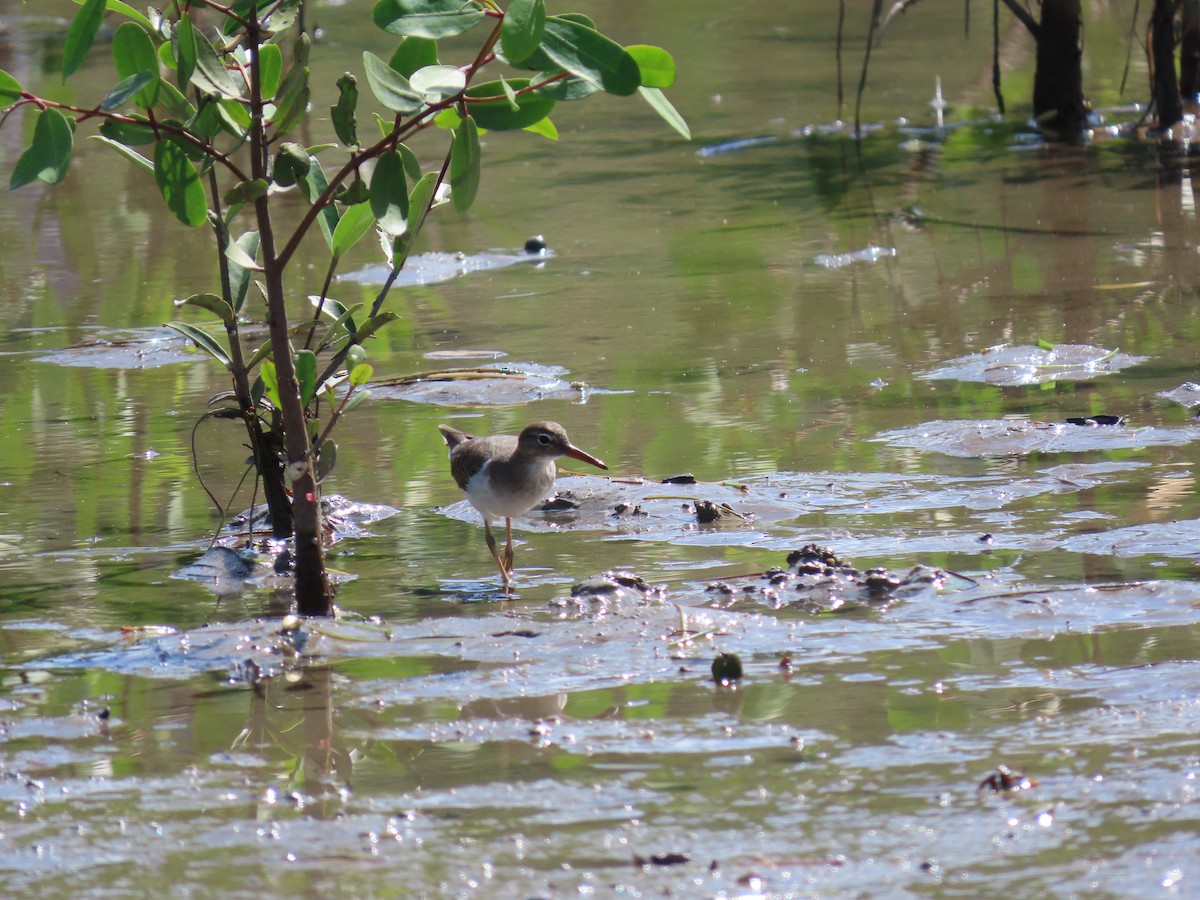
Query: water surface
440, 741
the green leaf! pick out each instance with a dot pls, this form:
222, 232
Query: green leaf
656, 65
355, 399
418, 203
270, 379
447, 119
342, 115
342, 316
361, 374
234, 117
314, 184
180, 185
1044, 344
292, 163
81, 35
132, 133
661, 105
389, 193
49, 154
355, 192
211, 76
412, 54
258, 356
237, 255
270, 67
282, 17
130, 154
570, 87
292, 102
10, 89
119, 96
204, 341
326, 458
239, 276
176, 104
306, 373
591, 56
426, 18
412, 165
580, 19
438, 82
509, 94
464, 165
521, 32
125, 10
390, 87
355, 222
374, 323
214, 304
545, 128
498, 114
184, 43
133, 53
246, 191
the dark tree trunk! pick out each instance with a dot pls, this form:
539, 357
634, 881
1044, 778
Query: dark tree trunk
1164, 85
1189, 51
1058, 83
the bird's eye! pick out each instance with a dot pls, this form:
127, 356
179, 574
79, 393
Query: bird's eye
543, 439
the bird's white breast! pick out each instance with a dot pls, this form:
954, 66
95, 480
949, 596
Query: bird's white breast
493, 504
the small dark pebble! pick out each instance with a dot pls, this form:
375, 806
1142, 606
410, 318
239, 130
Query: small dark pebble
536, 244
104, 714
685, 478
1093, 421
879, 583
986, 538
1005, 779
559, 503
814, 553
524, 633
726, 668
663, 859
708, 512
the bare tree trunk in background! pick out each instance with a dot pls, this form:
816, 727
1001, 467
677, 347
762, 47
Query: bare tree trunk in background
1058, 82
1164, 86
1189, 51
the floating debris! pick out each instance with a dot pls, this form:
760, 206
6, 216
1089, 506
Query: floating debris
1186, 395
433, 268
1010, 366
134, 348
494, 384
736, 146
1017, 437
869, 254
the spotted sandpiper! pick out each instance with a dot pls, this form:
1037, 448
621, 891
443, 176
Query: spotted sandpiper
506, 475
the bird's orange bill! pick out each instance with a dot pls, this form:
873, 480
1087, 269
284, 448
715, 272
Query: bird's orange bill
575, 453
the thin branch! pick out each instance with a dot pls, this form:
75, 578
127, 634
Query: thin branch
1024, 17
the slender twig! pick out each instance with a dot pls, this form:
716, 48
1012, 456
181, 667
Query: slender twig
1024, 17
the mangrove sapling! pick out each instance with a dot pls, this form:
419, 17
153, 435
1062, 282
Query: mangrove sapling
205, 96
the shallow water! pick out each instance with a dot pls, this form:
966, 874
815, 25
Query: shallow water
437, 740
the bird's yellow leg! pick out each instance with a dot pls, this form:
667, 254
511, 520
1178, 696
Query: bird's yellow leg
491, 542
508, 548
